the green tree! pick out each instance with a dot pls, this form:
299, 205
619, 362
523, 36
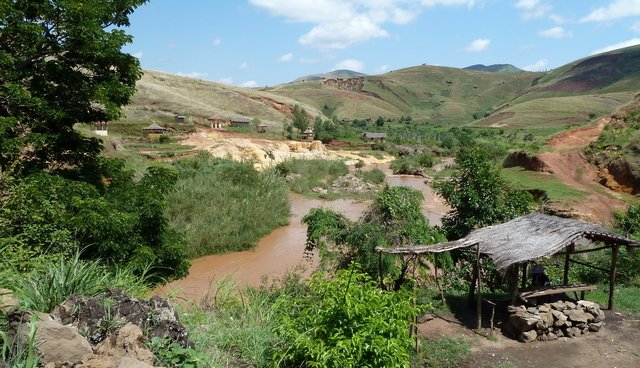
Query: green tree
479, 195
300, 120
60, 64
379, 122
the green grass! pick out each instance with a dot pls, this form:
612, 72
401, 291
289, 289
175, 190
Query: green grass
554, 187
448, 352
224, 206
304, 175
625, 297
51, 282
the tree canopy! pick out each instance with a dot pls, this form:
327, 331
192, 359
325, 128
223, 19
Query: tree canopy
60, 64
478, 195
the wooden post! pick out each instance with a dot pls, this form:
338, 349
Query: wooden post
472, 286
440, 289
567, 259
479, 294
612, 274
513, 278
523, 283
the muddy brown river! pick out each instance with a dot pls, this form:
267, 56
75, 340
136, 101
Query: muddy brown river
283, 248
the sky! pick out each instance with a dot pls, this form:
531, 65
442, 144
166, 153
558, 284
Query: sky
257, 43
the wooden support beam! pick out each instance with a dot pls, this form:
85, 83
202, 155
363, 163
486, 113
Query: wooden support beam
612, 274
589, 265
472, 286
567, 259
479, 294
523, 282
513, 283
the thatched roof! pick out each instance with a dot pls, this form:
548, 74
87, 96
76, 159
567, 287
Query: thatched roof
154, 126
524, 239
370, 135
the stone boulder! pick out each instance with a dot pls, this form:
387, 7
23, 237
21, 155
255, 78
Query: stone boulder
55, 343
8, 302
128, 342
101, 315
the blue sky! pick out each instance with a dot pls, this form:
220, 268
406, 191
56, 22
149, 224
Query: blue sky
265, 42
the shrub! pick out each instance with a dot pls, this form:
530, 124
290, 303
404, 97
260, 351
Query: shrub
345, 322
373, 176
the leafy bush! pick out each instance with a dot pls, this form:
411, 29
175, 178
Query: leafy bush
412, 164
345, 322
224, 205
108, 214
171, 354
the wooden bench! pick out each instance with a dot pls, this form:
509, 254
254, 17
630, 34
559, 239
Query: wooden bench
553, 290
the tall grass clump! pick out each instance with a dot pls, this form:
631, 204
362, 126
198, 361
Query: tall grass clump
51, 282
223, 205
412, 164
373, 176
20, 352
304, 175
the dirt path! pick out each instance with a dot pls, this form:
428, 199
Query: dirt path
617, 344
568, 163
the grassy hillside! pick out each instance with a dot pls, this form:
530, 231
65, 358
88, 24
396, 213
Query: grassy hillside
440, 94
495, 68
341, 73
161, 96
573, 94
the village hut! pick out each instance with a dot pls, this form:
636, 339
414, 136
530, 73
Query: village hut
373, 137
308, 135
100, 128
514, 244
179, 119
215, 121
154, 131
240, 122
262, 128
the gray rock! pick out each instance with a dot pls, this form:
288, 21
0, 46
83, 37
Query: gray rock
596, 326
57, 343
599, 317
585, 304
551, 336
524, 321
577, 315
528, 336
547, 320
8, 302
570, 305
533, 310
559, 318
559, 305
544, 308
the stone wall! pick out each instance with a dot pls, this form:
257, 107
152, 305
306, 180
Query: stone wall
551, 321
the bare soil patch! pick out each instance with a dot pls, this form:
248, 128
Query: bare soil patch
617, 344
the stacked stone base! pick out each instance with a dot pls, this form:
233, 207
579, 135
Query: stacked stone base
551, 321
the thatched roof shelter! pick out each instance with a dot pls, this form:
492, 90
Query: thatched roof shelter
523, 239
513, 244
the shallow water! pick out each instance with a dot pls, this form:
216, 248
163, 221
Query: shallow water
283, 248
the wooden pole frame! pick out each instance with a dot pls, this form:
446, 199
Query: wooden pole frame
567, 260
479, 293
612, 274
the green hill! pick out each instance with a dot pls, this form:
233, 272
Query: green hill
341, 73
495, 68
573, 94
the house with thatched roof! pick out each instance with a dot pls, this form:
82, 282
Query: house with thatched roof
372, 137
308, 135
240, 122
217, 122
154, 131
513, 245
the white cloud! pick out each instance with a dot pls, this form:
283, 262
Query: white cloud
621, 45
337, 24
557, 19
226, 80
249, 84
244, 65
616, 9
532, 9
468, 3
478, 45
216, 42
382, 68
350, 64
194, 75
538, 66
636, 27
556, 32
286, 58
339, 35
138, 55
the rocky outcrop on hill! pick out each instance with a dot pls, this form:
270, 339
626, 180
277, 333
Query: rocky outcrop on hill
618, 176
551, 321
350, 84
526, 161
109, 330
